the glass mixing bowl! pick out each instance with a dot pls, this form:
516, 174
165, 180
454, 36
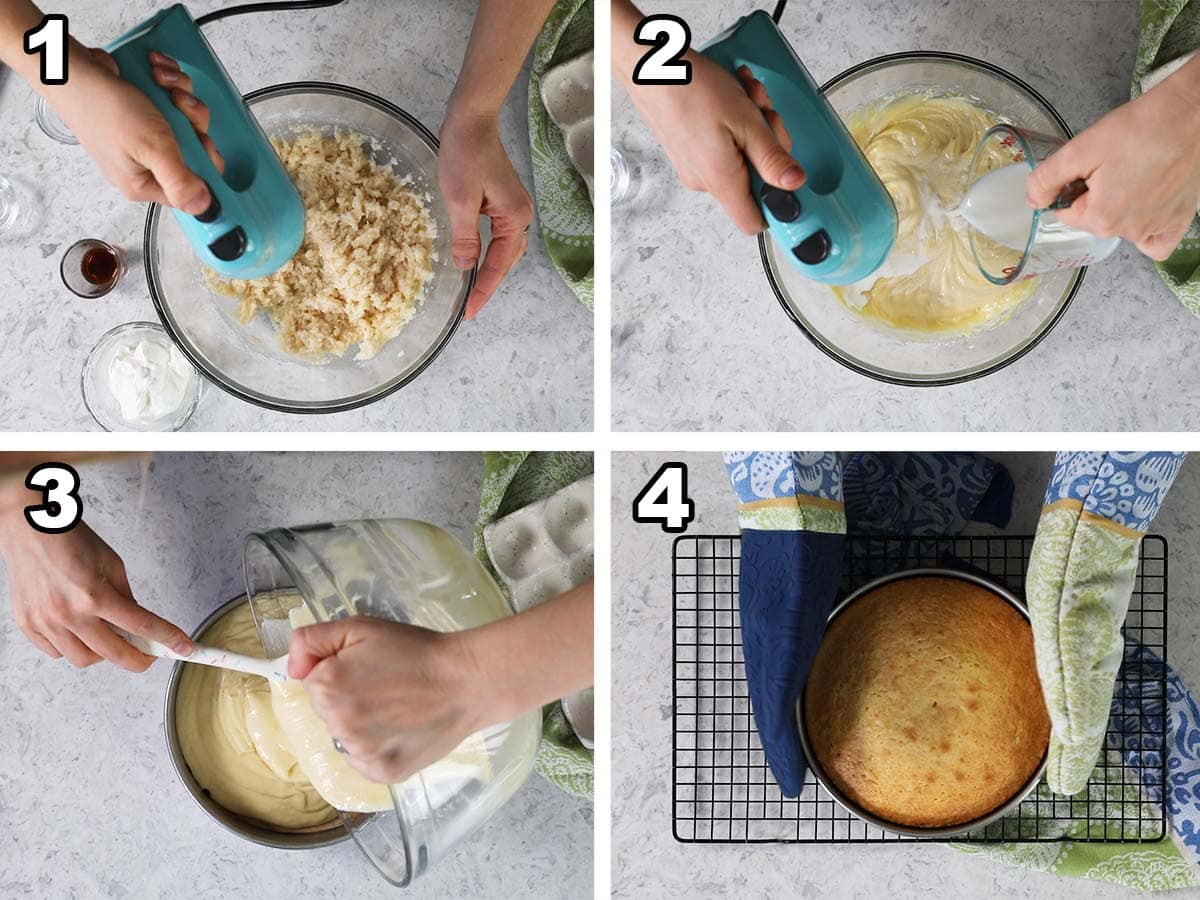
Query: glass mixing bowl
412, 572
918, 358
247, 360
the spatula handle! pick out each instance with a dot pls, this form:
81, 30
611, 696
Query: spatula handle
273, 669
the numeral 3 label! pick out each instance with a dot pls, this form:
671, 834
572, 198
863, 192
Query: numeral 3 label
670, 37
60, 509
664, 500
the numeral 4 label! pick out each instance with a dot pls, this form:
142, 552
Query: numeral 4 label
664, 500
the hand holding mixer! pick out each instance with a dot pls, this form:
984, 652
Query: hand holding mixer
255, 222
839, 226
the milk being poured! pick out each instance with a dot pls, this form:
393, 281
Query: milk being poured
995, 206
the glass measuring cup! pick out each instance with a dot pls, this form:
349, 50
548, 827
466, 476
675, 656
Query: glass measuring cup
1010, 240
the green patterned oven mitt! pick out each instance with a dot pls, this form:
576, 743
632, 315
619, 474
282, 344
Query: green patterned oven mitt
1170, 29
1081, 571
512, 481
565, 216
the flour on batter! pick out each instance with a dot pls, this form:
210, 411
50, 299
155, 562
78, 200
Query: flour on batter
921, 147
367, 253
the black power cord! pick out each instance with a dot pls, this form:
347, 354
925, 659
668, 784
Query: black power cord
779, 8
244, 8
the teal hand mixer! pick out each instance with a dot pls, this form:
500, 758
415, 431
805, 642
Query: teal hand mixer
839, 226
255, 222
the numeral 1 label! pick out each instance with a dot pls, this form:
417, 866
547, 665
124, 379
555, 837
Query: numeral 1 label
670, 37
61, 508
49, 39
664, 500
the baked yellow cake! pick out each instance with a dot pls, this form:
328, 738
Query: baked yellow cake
923, 705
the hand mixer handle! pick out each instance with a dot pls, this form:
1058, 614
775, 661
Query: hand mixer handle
164, 34
257, 221
839, 225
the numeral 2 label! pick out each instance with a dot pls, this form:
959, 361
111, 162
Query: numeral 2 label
49, 38
60, 509
670, 37
665, 501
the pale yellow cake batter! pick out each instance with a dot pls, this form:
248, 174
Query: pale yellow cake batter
921, 148
261, 751
232, 742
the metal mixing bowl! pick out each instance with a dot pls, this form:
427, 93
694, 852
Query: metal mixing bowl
246, 360
849, 805
239, 825
912, 358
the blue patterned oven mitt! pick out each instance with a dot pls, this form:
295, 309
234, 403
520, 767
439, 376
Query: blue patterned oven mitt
924, 494
1081, 572
793, 521
791, 510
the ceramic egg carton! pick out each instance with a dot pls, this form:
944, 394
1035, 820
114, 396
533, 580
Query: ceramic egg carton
567, 93
542, 551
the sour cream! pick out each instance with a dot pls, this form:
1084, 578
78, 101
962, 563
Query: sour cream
149, 380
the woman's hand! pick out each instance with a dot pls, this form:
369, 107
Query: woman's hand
130, 141
397, 697
67, 587
711, 128
400, 698
1141, 163
477, 178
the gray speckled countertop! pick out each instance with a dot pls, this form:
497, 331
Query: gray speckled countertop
694, 317
89, 803
646, 860
525, 364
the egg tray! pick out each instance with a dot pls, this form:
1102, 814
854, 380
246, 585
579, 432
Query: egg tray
567, 93
543, 550
722, 788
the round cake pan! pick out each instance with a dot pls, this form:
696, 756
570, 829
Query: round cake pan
849, 805
249, 829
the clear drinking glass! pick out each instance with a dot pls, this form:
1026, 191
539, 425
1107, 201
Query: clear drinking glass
412, 572
52, 125
1010, 240
20, 209
626, 176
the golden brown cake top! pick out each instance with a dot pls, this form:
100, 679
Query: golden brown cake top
923, 705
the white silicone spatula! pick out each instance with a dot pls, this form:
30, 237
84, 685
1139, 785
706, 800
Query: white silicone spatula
272, 669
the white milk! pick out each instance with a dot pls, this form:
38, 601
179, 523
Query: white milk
995, 205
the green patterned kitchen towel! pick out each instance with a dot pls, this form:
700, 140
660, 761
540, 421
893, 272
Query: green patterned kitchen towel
1169, 29
512, 481
1153, 866
1078, 835
565, 216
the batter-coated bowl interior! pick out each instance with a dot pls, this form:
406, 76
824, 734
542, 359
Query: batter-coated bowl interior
920, 358
247, 360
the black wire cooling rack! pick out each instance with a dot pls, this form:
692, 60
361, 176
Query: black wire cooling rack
723, 790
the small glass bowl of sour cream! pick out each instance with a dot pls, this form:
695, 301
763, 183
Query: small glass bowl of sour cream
136, 379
